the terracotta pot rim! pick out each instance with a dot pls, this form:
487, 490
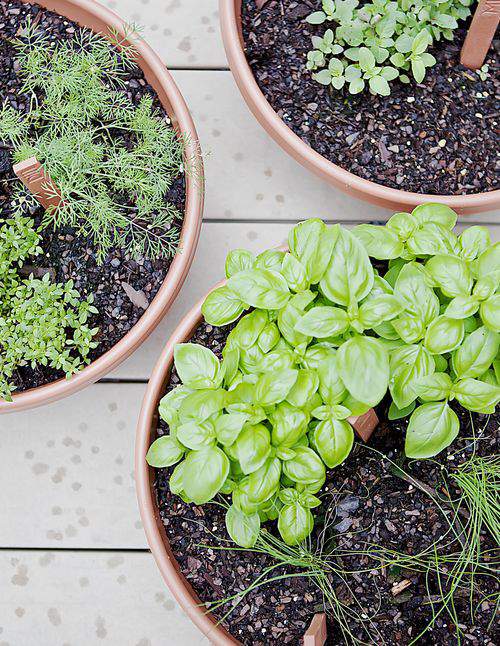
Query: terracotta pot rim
85, 12
345, 180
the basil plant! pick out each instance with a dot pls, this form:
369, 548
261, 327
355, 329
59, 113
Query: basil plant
326, 336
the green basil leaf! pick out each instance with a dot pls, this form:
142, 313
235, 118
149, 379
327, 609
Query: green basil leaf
397, 413
349, 276
451, 274
403, 224
222, 306
431, 429
419, 299
333, 439
287, 320
317, 353
409, 327
322, 322
486, 286
490, 313
263, 483
243, 528
229, 426
271, 259
476, 353
312, 243
171, 402
260, 288
444, 335
294, 273
269, 337
175, 482
238, 260
304, 388
277, 360
363, 364
289, 424
435, 387
476, 395
379, 241
230, 363
461, 307
201, 404
249, 327
295, 523
473, 241
408, 365
164, 452
435, 213
197, 366
241, 500
432, 239
252, 447
204, 473
331, 386
380, 308
488, 262
305, 467
273, 387
195, 435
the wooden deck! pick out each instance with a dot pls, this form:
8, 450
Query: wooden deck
74, 564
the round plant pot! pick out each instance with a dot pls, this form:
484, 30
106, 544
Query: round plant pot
148, 506
88, 13
390, 198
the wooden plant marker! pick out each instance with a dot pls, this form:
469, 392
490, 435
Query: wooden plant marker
480, 34
33, 175
316, 633
364, 425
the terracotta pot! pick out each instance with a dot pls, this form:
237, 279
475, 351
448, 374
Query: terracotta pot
148, 506
390, 198
90, 14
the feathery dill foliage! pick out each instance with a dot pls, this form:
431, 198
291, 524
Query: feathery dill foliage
112, 161
41, 322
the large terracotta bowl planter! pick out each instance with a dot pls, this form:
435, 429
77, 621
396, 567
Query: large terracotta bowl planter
148, 506
390, 198
90, 14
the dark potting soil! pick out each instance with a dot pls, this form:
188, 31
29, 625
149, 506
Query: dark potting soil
65, 254
367, 502
438, 137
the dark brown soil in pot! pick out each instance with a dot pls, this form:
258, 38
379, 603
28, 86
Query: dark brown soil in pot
66, 255
371, 503
439, 137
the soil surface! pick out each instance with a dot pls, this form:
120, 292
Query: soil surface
438, 137
66, 255
366, 501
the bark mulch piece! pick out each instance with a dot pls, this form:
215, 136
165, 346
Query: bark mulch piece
369, 503
66, 255
438, 137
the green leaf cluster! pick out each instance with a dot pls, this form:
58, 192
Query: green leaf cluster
112, 161
42, 323
326, 337
374, 43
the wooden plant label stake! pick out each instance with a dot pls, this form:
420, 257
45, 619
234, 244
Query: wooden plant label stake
316, 633
480, 34
33, 175
364, 425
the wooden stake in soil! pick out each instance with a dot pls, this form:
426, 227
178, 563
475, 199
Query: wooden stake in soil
364, 425
33, 175
316, 633
480, 34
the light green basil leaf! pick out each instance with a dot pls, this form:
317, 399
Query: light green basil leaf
229, 426
486, 286
476, 353
451, 274
304, 388
349, 276
273, 387
175, 482
408, 365
476, 395
289, 424
473, 241
263, 483
222, 306
305, 467
251, 360
252, 447
435, 387
201, 404
260, 288
197, 366
409, 327
295, 523
287, 320
435, 213
490, 312
363, 364
431, 429
333, 439
312, 243
269, 337
230, 363
204, 473
379, 241
461, 307
488, 262
195, 435
294, 273
238, 260
403, 224
331, 386
171, 402
419, 299
164, 452
241, 500
249, 327
444, 335
317, 353
243, 528
322, 322
398, 413
377, 309
432, 239
277, 360
271, 259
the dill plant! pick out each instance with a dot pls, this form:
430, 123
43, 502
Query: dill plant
112, 161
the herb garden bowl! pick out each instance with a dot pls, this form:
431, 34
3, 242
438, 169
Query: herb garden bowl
370, 191
90, 14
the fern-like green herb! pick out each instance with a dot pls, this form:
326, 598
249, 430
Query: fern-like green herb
113, 162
